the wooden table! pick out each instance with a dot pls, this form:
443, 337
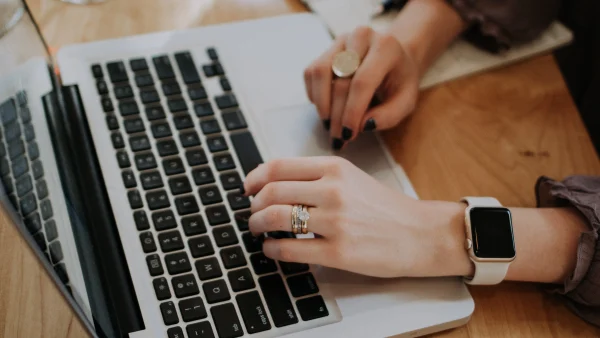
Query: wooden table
490, 134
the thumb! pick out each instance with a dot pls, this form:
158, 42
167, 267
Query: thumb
391, 112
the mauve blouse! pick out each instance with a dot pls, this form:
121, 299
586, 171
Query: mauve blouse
497, 25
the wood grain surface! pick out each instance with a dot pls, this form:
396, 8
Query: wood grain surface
490, 134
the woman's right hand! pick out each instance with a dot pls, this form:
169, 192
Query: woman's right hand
387, 72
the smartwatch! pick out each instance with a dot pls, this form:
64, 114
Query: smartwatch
489, 239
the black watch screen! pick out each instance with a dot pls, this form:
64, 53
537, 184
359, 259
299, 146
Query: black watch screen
492, 232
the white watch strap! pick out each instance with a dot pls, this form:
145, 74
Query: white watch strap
486, 273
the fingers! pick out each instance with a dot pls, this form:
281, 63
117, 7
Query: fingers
390, 113
288, 169
308, 84
285, 192
340, 94
279, 218
309, 251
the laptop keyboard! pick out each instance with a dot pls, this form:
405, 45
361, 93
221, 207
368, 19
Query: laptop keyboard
22, 174
176, 151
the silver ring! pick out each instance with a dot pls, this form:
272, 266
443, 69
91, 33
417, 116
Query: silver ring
303, 217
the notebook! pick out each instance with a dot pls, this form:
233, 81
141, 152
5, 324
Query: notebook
460, 59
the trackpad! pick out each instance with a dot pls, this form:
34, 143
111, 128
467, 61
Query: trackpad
297, 131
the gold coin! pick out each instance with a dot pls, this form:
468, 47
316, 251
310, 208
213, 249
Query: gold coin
345, 63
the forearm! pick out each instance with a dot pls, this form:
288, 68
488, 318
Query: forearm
425, 28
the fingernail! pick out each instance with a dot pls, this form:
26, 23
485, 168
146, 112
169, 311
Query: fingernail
337, 143
346, 133
242, 190
370, 125
327, 124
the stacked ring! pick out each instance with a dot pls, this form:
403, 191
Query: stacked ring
300, 218
295, 225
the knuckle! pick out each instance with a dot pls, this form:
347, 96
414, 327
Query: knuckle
387, 39
334, 195
336, 166
272, 217
341, 86
269, 193
307, 73
363, 32
320, 71
273, 167
360, 83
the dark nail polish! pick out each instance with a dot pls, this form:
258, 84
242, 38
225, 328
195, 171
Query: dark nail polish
337, 143
327, 124
370, 125
346, 133
242, 190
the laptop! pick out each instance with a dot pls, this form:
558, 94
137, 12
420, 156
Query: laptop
121, 162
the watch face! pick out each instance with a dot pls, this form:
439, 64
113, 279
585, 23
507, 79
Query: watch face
492, 233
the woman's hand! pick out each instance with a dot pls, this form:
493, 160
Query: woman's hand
387, 72
364, 226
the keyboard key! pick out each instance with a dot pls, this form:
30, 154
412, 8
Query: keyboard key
290, 268
212, 53
170, 241
22, 98
151, 180
30, 133
197, 93
33, 223
42, 189
231, 180
28, 204
97, 71
201, 246
56, 253
180, 185
141, 220
241, 280
147, 240
149, 96
226, 321
208, 268
225, 236
278, 301
8, 111
247, 151
19, 167
203, 176
262, 264
177, 263
4, 167
312, 308
33, 150
155, 113
50, 229
234, 120
169, 313
185, 286
203, 109
189, 139
224, 162
238, 201
186, 205
154, 265
177, 105
254, 314
192, 309
200, 330
135, 200
173, 166
216, 291
217, 215
183, 121
123, 159
164, 70
139, 143
144, 80
16, 148
164, 220
210, 195
145, 161
171, 88
111, 122
117, 140
216, 144
161, 129
226, 101
157, 200
117, 71
187, 67
127, 108
233, 257
138, 64
252, 243
123, 92
218, 68
225, 84
209, 70
302, 285
61, 271
161, 288
12, 131
175, 332
196, 157
107, 105
134, 125
167, 148
24, 185
8, 184
193, 225
210, 126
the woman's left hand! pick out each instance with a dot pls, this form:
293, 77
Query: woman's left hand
364, 226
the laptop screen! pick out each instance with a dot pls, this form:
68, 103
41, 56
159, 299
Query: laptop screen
36, 190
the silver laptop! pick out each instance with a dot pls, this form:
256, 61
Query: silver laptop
121, 163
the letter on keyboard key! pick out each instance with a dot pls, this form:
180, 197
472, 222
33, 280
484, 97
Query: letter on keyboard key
149, 96
238, 201
196, 157
169, 313
167, 148
216, 291
200, 330
226, 320
144, 80
217, 215
312, 308
247, 151
241, 219
185, 286
233, 257
224, 162
241, 280
134, 125
252, 243
225, 236
193, 225
216, 144
210, 195
101, 87
253, 312
97, 71
180, 185
203, 176
183, 121
177, 105
278, 300
192, 309
186, 205
51, 232
164, 220
170, 241
208, 268
210, 126
231, 180
161, 129
262, 264
201, 246
123, 92
173, 166
177, 263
